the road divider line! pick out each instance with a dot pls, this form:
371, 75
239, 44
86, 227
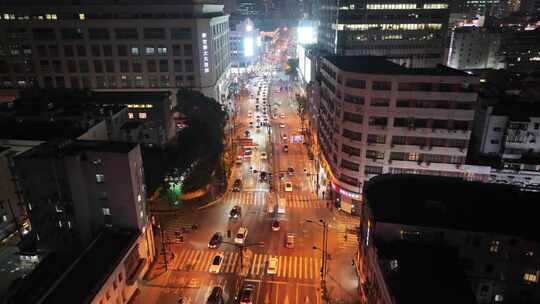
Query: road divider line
254, 264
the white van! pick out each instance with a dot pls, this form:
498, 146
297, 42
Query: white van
241, 235
281, 205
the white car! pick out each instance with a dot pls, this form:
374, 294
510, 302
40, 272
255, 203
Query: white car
282, 115
272, 266
263, 155
288, 187
217, 261
241, 235
282, 125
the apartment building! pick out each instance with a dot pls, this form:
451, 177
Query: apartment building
378, 117
409, 32
125, 45
489, 228
75, 188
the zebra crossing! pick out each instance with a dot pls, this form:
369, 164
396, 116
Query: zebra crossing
292, 267
261, 198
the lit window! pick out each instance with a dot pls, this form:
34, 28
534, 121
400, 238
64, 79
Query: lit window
69, 224
367, 233
106, 211
494, 247
100, 178
97, 161
60, 224
142, 115
530, 277
149, 50
4, 218
498, 298
82, 16
149, 106
529, 253
141, 214
393, 264
58, 209
139, 198
130, 115
29, 207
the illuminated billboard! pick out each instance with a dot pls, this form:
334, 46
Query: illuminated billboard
248, 47
306, 35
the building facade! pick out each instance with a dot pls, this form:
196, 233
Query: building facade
245, 44
377, 117
411, 32
13, 216
76, 44
473, 47
73, 189
521, 50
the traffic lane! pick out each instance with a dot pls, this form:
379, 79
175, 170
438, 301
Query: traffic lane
286, 292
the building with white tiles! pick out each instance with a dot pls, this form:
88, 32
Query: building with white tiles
378, 117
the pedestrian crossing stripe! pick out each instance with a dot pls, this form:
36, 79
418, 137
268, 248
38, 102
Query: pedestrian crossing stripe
294, 267
291, 201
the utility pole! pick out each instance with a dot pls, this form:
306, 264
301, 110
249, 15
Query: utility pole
324, 269
163, 244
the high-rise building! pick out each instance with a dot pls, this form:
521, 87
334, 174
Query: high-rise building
378, 117
245, 44
410, 32
521, 50
473, 47
74, 189
115, 46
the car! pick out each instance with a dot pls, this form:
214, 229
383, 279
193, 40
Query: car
216, 296
241, 235
217, 261
237, 185
215, 241
246, 133
257, 107
245, 296
290, 171
285, 148
239, 159
284, 137
248, 152
263, 155
289, 240
263, 176
250, 114
282, 115
288, 187
275, 225
282, 125
236, 212
272, 266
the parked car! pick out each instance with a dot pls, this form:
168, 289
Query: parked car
285, 148
272, 266
216, 296
275, 225
288, 187
245, 296
290, 171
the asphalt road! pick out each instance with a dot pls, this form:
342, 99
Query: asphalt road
298, 274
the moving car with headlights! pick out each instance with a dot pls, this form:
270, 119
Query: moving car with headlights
245, 296
288, 187
216, 296
272, 266
241, 235
237, 185
215, 241
217, 261
236, 212
275, 225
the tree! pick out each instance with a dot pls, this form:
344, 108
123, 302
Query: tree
292, 67
301, 109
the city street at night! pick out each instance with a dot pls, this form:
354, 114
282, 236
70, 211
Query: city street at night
297, 278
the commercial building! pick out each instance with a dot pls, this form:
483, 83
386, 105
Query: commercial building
521, 50
74, 188
496, 247
378, 117
13, 217
117, 46
410, 32
474, 47
245, 46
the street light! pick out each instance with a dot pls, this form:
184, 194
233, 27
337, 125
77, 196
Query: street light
324, 267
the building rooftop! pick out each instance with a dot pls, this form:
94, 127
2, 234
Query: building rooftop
452, 203
517, 111
68, 278
74, 147
130, 97
89, 273
424, 274
380, 65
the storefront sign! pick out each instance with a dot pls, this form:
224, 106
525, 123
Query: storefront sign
204, 40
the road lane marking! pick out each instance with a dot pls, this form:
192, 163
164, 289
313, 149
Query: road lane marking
295, 266
187, 258
208, 262
254, 264
290, 266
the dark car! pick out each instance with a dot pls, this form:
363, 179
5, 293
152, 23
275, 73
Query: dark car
215, 241
246, 295
216, 296
263, 176
290, 171
236, 212
237, 186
